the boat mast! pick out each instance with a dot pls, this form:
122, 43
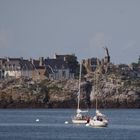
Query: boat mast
96, 103
96, 90
79, 86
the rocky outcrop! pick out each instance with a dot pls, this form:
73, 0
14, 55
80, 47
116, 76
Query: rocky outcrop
115, 88
118, 88
23, 93
117, 96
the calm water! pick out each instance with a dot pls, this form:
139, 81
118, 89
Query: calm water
124, 124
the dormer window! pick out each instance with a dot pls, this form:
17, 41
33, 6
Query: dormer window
63, 67
55, 68
63, 74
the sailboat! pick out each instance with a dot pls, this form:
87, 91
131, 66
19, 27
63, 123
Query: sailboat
80, 118
99, 120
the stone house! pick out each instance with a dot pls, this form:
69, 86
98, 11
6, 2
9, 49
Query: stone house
39, 69
36, 69
15, 68
57, 69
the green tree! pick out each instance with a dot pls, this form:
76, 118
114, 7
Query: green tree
72, 63
139, 60
135, 65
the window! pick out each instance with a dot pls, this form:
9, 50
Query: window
63, 74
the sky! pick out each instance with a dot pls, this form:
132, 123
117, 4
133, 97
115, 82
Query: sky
41, 28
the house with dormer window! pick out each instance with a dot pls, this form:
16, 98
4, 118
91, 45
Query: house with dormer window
57, 69
39, 68
15, 68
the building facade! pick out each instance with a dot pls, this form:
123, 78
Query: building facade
57, 69
15, 68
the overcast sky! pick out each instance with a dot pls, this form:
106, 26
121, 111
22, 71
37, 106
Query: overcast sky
35, 28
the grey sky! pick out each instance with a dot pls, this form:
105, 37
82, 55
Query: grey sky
34, 28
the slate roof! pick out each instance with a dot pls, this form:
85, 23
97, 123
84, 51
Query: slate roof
26, 65
56, 63
36, 64
49, 70
16, 63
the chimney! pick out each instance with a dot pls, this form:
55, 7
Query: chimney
32, 60
41, 61
55, 55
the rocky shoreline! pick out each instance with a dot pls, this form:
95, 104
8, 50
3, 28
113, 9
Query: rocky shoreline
110, 85
114, 92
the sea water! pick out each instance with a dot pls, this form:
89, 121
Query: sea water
49, 124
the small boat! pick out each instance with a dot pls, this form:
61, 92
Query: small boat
99, 120
80, 118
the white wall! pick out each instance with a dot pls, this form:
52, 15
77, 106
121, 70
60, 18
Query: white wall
61, 76
15, 74
18, 74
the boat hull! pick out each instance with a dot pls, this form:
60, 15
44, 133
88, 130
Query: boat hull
97, 123
79, 121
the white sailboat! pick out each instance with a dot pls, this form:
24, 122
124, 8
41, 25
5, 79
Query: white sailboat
99, 120
80, 118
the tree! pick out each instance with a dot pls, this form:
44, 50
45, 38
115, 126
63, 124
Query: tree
72, 63
139, 60
136, 64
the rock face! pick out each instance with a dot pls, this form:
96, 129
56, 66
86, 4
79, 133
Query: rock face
23, 93
63, 94
118, 88
115, 88
116, 96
